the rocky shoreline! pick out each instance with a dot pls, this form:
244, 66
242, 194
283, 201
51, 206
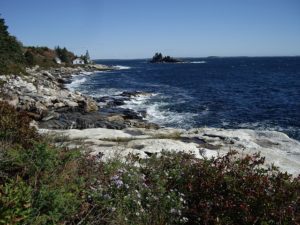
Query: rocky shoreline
107, 129
44, 96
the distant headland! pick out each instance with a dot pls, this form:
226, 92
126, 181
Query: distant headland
159, 58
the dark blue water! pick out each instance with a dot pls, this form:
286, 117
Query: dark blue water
256, 93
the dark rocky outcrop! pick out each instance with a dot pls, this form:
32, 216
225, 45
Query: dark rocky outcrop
159, 58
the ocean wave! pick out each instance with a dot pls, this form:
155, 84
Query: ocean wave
119, 67
198, 62
168, 118
86, 73
137, 103
75, 83
157, 111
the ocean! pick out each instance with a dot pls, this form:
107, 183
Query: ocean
261, 93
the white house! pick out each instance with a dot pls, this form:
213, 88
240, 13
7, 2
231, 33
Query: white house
78, 61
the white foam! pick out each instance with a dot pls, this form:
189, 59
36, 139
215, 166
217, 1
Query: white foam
86, 73
168, 118
198, 62
137, 103
76, 83
119, 67
157, 111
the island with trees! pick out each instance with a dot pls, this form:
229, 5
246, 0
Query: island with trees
159, 58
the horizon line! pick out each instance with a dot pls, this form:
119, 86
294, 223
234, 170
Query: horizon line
203, 57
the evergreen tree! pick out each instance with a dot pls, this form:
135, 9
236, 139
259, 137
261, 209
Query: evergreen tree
158, 57
11, 54
64, 55
87, 57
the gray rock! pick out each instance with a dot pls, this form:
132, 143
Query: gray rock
59, 105
276, 147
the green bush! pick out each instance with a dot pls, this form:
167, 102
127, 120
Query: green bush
15, 202
51, 178
126, 197
43, 184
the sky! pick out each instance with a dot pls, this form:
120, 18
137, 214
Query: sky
123, 29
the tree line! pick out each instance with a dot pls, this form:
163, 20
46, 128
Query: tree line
14, 57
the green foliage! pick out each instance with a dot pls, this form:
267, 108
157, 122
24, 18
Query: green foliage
45, 57
41, 56
11, 53
128, 198
15, 202
86, 58
43, 184
14, 57
64, 55
51, 183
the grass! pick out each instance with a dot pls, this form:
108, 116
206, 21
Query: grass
44, 184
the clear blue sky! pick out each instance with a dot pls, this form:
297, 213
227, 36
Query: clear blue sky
139, 28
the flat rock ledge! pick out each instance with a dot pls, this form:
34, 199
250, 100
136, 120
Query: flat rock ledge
276, 147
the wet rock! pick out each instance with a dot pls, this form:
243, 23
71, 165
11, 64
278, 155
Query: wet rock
130, 114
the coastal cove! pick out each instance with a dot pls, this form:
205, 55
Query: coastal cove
154, 93
113, 122
260, 93
100, 148
149, 112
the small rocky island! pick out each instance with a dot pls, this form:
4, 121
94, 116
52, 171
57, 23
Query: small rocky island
159, 58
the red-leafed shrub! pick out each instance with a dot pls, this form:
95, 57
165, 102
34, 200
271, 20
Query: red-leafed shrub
15, 127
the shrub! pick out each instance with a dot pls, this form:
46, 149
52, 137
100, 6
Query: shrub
51, 181
44, 184
126, 197
15, 127
41, 56
233, 190
15, 202
176, 188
